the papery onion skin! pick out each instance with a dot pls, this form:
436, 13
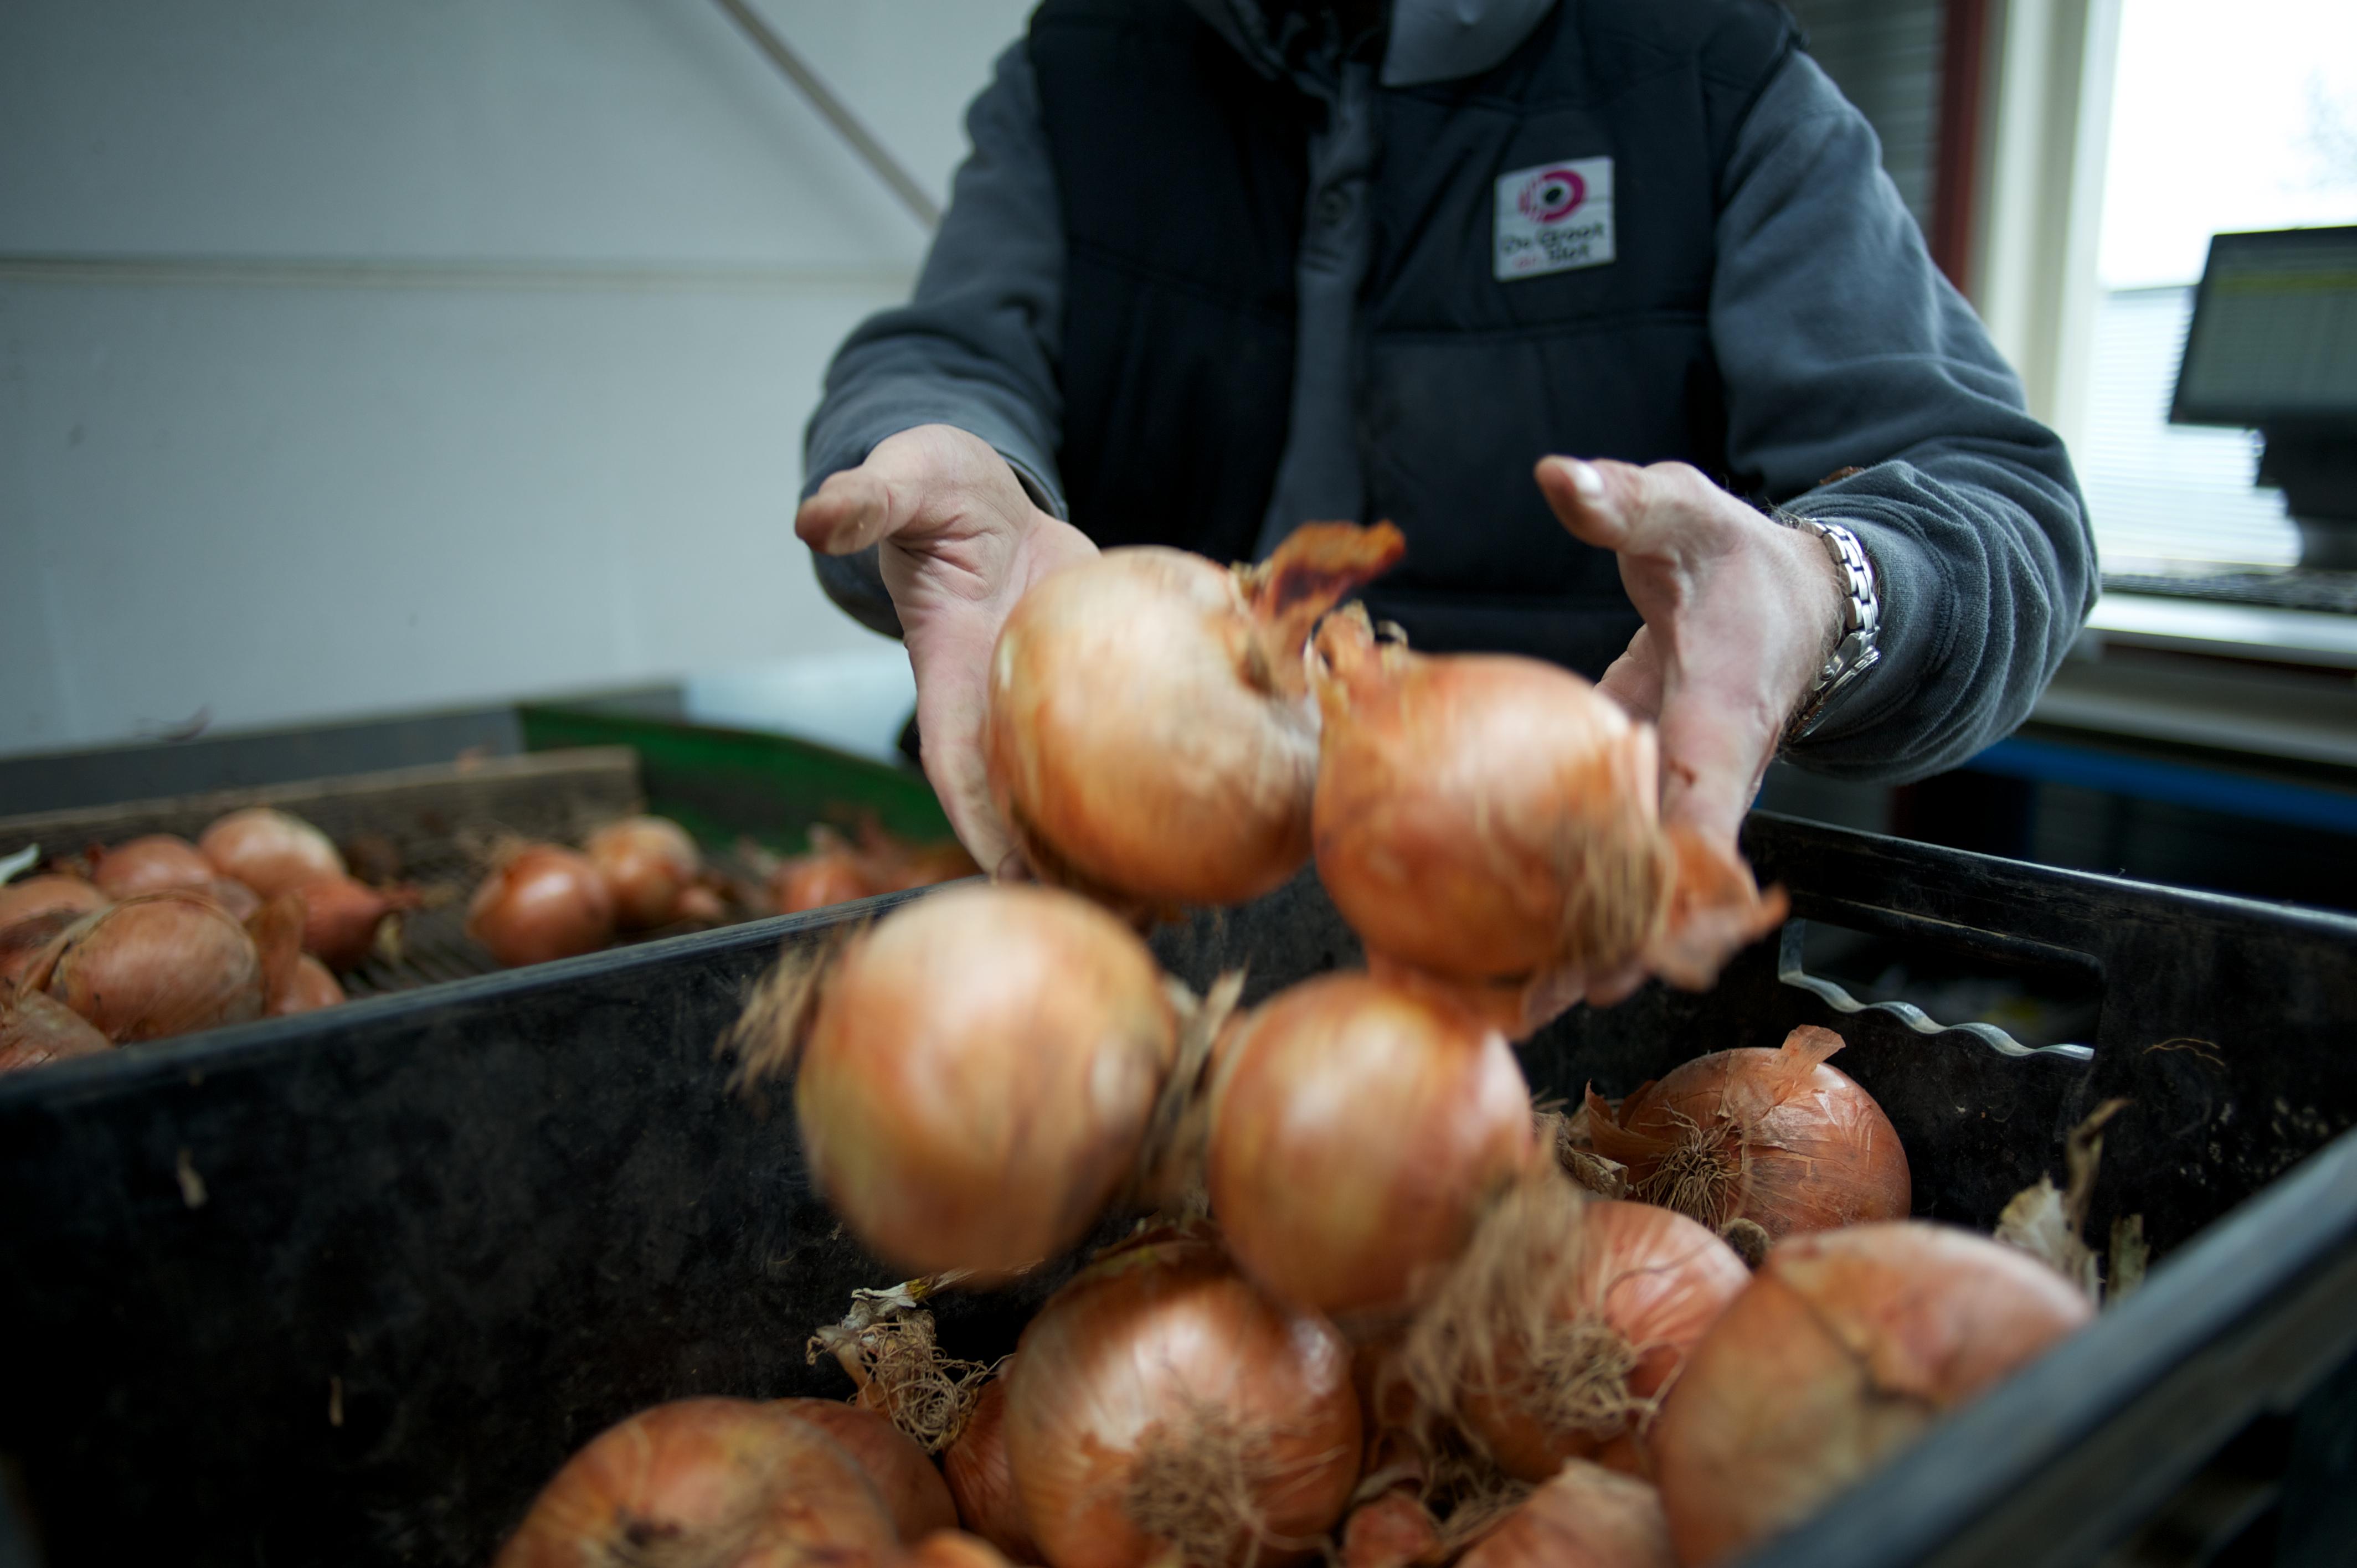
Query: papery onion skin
1145, 735
1845, 1348
982, 1480
978, 1075
546, 903
270, 851
648, 861
36, 1029
46, 894
155, 862
1777, 1138
1586, 1516
1358, 1128
152, 965
341, 918
308, 989
719, 1480
1144, 1354
913, 1492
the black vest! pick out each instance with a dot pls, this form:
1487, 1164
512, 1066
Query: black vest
1183, 174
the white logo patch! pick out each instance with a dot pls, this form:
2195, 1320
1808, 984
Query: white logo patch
1553, 217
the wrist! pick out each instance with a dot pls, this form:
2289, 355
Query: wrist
1852, 625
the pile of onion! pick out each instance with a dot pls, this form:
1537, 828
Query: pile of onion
977, 1071
36, 1029
270, 851
32, 913
1777, 1138
1359, 1129
543, 902
1586, 1516
1165, 1406
914, 1496
651, 865
154, 964
1845, 1348
837, 871
707, 1480
1150, 738
1494, 822
1566, 1321
981, 1479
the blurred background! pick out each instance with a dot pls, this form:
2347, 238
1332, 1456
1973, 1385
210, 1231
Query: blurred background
369, 365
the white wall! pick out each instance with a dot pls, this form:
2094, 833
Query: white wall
367, 355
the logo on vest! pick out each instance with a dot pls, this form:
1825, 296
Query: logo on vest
1553, 217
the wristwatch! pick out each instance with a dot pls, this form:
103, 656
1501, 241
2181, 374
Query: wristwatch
1857, 651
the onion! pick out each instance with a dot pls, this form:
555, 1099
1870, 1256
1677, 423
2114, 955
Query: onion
1357, 1131
341, 916
270, 851
310, 988
719, 1481
913, 1492
648, 861
977, 1073
982, 1480
36, 1029
911, 865
542, 902
1776, 1137
154, 863
1493, 821
154, 964
1148, 737
836, 875
1565, 1322
1587, 1517
1163, 1402
1845, 1348
954, 1549
47, 895
1393, 1531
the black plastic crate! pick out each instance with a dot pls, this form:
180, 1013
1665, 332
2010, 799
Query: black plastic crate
348, 1288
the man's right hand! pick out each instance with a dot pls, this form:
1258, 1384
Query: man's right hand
961, 543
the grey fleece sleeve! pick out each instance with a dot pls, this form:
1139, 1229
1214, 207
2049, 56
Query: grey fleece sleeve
1843, 347
976, 347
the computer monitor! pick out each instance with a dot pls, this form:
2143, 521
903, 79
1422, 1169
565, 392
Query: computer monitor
2274, 340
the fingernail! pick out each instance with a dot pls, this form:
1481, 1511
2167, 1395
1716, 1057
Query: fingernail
1585, 479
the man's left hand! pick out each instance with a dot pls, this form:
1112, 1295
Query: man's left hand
1741, 614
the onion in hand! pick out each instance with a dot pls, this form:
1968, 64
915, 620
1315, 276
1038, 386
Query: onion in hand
648, 862
152, 965
1777, 1138
1357, 1131
542, 902
270, 851
1847, 1345
1148, 737
1162, 1402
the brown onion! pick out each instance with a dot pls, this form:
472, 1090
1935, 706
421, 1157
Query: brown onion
308, 988
707, 1480
152, 965
270, 851
1847, 1345
341, 919
1494, 821
980, 1479
648, 861
954, 1549
1148, 736
977, 1073
36, 1029
47, 895
913, 1492
154, 863
1394, 1531
1357, 1130
833, 874
1777, 1138
1587, 1517
543, 903
1567, 1319
1161, 1399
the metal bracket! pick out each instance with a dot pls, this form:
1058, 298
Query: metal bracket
1792, 971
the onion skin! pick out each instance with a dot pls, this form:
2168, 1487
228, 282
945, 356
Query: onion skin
46, 894
1393, 1531
1358, 1128
154, 964
1587, 1517
706, 1480
310, 988
270, 851
978, 1075
954, 1549
1777, 1138
1147, 737
1494, 820
982, 1480
1845, 1348
36, 1029
341, 918
913, 1494
1656, 1278
1149, 1349
544, 903
157, 863
648, 861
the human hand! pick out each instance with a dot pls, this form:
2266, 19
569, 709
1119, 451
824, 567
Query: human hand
1741, 614
961, 543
